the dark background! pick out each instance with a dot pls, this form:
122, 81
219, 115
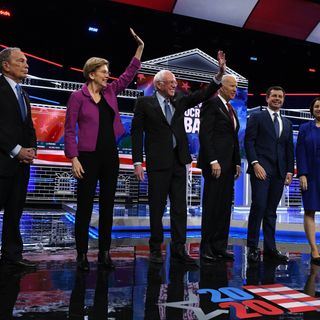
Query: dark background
58, 31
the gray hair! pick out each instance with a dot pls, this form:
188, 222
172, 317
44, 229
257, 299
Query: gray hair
5, 55
226, 76
159, 76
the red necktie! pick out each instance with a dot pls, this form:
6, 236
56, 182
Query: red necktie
231, 114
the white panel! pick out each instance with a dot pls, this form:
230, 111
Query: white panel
232, 12
314, 36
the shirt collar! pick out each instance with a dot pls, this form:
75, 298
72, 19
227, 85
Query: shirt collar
160, 98
271, 112
12, 83
223, 100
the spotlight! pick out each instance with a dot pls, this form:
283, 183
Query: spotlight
5, 13
93, 29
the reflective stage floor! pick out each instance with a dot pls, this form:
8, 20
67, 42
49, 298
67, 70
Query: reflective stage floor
137, 289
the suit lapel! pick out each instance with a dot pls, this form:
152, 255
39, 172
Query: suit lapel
222, 108
27, 101
10, 96
285, 127
237, 120
157, 108
269, 123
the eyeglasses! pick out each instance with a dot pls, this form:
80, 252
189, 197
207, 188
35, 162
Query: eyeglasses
105, 72
171, 82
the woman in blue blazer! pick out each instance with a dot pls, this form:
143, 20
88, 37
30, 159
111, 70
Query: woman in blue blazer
308, 164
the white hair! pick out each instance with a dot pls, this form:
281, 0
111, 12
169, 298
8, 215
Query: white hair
226, 76
159, 76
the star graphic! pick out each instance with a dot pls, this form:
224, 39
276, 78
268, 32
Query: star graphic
141, 77
185, 86
44, 128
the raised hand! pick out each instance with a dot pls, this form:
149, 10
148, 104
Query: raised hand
137, 38
221, 57
140, 44
222, 64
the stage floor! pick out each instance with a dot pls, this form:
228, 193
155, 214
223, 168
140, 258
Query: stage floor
140, 290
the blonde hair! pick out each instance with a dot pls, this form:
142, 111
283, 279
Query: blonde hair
92, 64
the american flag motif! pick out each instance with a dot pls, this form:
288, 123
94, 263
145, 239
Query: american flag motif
285, 297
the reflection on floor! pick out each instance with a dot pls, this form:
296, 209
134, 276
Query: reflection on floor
140, 290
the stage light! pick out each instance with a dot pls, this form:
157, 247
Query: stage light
93, 29
253, 58
312, 70
5, 13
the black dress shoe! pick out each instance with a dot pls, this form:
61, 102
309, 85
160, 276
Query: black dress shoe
315, 261
276, 256
208, 256
22, 263
253, 255
179, 255
225, 255
156, 256
184, 259
82, 262
104, 260
25, 263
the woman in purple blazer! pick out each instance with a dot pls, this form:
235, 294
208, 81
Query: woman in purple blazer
93, 151
308, 164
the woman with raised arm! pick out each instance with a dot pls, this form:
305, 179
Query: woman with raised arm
92, 149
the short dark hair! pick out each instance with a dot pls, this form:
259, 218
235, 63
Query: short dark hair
313, 102
275, 88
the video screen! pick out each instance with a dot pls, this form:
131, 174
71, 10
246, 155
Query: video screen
49, 125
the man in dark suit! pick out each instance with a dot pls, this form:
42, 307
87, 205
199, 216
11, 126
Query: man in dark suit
219, 159
17, 151
159, 121
269, 150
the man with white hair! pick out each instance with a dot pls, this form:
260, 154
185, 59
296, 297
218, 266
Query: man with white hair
219, 159
159, 122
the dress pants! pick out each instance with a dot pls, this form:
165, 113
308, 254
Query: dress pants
105, 168
266, 195
162, 183
13, 191
216, 211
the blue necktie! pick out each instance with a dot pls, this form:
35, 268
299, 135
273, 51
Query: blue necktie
168, 113
21, 102
276, 124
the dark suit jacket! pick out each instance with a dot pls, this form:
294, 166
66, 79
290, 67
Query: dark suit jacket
149, 122
261, 144
218, 138
12, 130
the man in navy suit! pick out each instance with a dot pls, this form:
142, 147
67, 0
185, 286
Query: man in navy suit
269, 149
17, 151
